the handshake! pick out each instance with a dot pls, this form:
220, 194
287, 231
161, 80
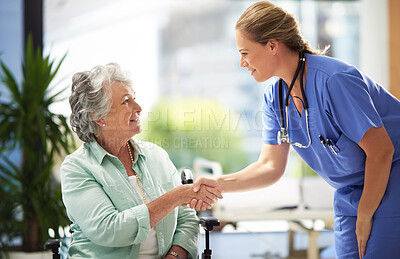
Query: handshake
202, 194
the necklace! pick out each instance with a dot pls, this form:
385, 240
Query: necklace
137, 177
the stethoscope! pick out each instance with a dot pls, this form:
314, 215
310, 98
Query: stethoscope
283, 135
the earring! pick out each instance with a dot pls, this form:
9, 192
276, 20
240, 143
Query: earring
104, 124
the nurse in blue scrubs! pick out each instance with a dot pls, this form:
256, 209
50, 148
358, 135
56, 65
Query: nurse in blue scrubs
344, 125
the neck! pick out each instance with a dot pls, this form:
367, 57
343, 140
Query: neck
291, 61
114, 146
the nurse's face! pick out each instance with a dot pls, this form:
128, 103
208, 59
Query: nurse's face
256, 57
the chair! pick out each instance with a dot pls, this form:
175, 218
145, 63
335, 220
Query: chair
54, 245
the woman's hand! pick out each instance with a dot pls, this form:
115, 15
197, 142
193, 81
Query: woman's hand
200, 204
379, 150
267, 170
363, 230
208, 182
205, 194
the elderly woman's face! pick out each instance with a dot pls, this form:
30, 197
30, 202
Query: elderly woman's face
123, 119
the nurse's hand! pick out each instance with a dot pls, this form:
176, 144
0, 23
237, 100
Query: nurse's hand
202, 181
363, 230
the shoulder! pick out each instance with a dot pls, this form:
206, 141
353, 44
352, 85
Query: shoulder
271, 90
81, 154
78, 161
329, 67
333, 75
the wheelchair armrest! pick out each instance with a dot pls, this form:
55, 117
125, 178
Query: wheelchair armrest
208, 223
52, 244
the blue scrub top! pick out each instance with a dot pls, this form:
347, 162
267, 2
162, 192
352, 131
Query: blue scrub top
343, 104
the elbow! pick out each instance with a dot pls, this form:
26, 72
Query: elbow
272, 175
278, 172
388, 151
391, 150
391, 153
276, 179
384, 154
107, 238
114, 231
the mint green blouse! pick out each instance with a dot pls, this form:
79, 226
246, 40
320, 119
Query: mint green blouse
109, 219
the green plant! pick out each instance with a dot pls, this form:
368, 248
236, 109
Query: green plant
193, 127
30, 197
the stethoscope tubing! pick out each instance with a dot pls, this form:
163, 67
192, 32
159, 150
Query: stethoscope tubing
285, 126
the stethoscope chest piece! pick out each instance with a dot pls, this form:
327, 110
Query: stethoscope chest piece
282, 136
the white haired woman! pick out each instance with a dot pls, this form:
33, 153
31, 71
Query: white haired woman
123, 196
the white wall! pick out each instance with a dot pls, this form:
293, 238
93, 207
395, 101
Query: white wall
11, 34
374, 40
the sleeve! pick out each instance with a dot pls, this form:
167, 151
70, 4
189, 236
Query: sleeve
187, 230
92, 210
269, 120
349, 104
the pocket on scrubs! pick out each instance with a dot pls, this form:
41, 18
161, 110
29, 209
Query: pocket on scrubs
383, 242
346, 199
337, 224
345, 237
350, 158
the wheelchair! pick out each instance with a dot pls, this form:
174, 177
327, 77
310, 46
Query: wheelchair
208, 224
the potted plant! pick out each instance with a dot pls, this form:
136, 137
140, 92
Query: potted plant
30, 197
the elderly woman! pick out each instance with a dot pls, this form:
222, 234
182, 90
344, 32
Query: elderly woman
123, 196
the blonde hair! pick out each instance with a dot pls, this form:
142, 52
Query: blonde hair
263, 21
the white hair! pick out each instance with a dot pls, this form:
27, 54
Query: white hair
90, 98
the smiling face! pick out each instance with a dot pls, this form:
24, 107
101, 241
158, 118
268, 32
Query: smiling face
123, 120
256, 57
